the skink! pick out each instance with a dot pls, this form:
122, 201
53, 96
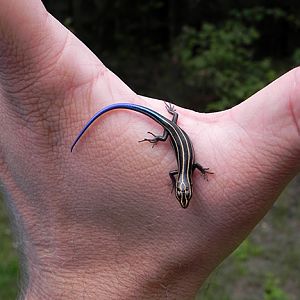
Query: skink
182, 177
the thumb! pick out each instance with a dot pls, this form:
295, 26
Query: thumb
259, 152
271, 119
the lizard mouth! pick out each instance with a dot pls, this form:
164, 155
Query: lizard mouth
184, 199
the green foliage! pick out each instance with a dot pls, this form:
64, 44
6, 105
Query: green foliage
272, 290
220, 60
213, 290
259, 13
296, 57
8, 259
243, 253
247, 250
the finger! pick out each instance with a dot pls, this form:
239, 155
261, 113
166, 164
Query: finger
45, 70
21, 17
33, 44
37, 53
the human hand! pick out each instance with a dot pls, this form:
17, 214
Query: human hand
101, 222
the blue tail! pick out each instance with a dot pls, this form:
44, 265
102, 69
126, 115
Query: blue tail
144, 110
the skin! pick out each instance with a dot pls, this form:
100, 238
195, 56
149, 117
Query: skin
102, 224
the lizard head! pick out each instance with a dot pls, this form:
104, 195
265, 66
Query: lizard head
183, 193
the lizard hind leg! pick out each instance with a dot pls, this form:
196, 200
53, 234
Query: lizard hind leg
156, 138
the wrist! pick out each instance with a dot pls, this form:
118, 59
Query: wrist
87, 271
